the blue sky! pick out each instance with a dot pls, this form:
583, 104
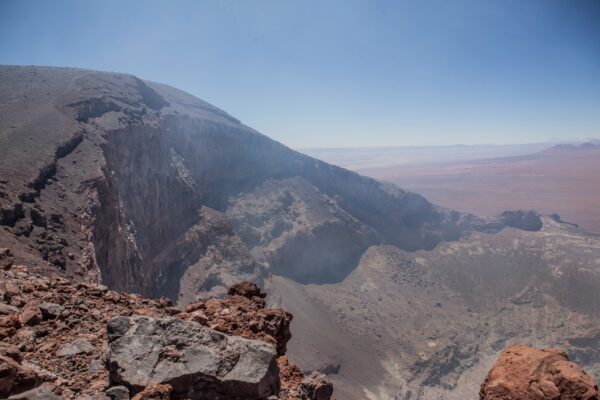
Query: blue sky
343, 73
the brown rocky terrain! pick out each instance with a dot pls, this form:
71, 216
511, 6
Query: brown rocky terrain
74, 341
526, 373
105, 178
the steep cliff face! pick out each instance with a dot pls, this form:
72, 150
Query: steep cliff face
141, 185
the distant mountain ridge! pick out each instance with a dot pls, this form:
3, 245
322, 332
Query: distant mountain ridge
587, 146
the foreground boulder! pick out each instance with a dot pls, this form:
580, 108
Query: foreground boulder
243, 313
198, 362
66, 351
526, 373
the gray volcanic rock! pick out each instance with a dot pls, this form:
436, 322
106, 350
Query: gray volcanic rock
77, 346
50, 310
299, 231
316, 387
525, 220
198, 362
118, 393
42, 392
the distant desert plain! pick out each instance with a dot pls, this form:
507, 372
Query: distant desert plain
562, 179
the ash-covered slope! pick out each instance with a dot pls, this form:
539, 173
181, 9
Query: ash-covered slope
164, 194
429, 324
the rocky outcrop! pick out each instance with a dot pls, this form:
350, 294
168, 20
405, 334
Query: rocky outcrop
196, 361
525, 220
243, 313
526, 373
79, 341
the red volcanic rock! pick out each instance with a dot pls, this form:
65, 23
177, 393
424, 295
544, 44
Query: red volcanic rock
294, 385
31, 315
54, 331
155, 392
526, 373
246, 289
242, 313
291, 376
15, 378
9, 325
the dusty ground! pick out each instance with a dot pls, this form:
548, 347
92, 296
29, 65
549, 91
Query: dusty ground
564, 181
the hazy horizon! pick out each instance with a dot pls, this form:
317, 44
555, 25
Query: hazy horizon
343, 74
575, 141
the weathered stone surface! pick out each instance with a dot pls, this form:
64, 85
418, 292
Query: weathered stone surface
118, 393
243, 313
198, 362
78, 346
7, 309
6, 258
50, 310
9, 325
93, 397
10, 351
526, 373
316, 386
520, 219
31, 315
42, 392
246, 289
155, 392
15, 378
81, 368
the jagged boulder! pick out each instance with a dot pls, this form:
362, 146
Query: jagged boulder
243, 313
526, 373
198, 362
246, 289
316, 386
